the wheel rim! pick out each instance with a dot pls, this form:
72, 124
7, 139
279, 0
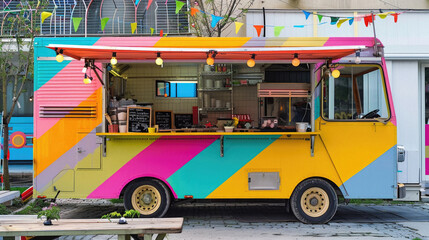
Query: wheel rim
146, 199
315, 202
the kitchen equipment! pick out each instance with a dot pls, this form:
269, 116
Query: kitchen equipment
207, 68
122, 113
122, 126
228, 105
213, 102
218, 103
301, 126
218, 84
209, 83
206, 100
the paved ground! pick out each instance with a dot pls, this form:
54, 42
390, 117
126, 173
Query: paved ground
245, 220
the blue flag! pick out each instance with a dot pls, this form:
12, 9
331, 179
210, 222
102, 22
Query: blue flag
307, 14
351, 21
215, 20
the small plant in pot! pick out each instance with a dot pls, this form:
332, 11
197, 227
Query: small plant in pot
49, 213
229, 126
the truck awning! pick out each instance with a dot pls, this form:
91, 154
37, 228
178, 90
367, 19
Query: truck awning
104, 53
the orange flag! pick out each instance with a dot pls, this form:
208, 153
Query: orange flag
395, 17
194, 11
161, 33
258, 29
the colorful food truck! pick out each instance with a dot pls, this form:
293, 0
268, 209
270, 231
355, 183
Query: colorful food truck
154, 120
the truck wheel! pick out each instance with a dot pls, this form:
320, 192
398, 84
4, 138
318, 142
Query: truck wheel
314, 201
150, 197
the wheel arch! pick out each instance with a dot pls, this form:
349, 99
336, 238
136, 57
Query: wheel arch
165, 183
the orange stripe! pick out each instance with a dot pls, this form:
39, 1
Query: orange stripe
63, 135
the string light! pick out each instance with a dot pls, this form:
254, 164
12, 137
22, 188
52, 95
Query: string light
336, 73
60, 56
113, 60
210, 57
357, 59
87, 80
85, 68
158, 60
251, 61
295, 60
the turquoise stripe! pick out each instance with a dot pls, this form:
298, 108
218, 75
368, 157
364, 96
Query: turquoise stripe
317, 102
45, 70
208, 170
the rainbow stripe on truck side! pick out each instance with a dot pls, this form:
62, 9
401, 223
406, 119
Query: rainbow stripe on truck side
68, 155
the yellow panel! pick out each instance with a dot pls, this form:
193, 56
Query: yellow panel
198, 42
64, 181
291, 158
305, 42
426, 151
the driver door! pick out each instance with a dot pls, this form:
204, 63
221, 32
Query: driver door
357, 133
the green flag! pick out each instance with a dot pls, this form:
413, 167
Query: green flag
76, 23
151, 31
103, 23
179, 6
277, 30
320, 17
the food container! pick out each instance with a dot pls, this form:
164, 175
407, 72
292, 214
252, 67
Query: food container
301, 126
228, 105
122, 114
206, 100
114, 128
209, 83
213, 102
218, 103
122, 126
207, 68
218, 84
151, 130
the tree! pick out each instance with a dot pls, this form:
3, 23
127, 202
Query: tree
230, 10
16, 63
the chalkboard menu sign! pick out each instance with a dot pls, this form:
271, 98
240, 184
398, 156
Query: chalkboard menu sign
139, 119
183, 120
164, 119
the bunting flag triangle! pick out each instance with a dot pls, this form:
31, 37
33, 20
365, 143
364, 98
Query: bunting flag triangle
215, 20
277, 30
395, 16
341, 21
76, 23
161, 33
104, 22
238, 25
368, 20
383, 15
298, 26
194, 11
258, 29
151, 31
334, 20
351, 20
133, 27
179, 6
137, 2
320, 17
45, 15
148, 4
306, 14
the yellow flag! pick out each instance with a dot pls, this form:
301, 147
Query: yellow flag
382, 15
133, 27
341, 21
45, 15
238, 26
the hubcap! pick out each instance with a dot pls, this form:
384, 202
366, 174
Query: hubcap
315, 202
146, 199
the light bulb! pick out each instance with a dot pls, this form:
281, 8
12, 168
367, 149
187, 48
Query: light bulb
84, 70
295, 60
336, 73
87, 80
251, 61
59, 57
358, 60
210, 61
159, 61
113, 61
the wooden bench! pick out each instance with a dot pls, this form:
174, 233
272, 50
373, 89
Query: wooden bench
146, 227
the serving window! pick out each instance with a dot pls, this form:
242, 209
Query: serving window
358, 93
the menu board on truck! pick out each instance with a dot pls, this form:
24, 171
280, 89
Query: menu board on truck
138, 119
183, 120
164, 119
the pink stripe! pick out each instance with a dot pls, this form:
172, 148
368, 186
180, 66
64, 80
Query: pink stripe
52, 94
164, 156
427, 166
389, 93
426, 135
127, 41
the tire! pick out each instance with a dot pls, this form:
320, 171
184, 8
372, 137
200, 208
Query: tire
314, 201
148, 196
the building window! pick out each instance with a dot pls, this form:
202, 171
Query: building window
358, 93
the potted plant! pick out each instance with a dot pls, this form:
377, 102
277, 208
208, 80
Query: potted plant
49, 213
229, 126
130, 214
